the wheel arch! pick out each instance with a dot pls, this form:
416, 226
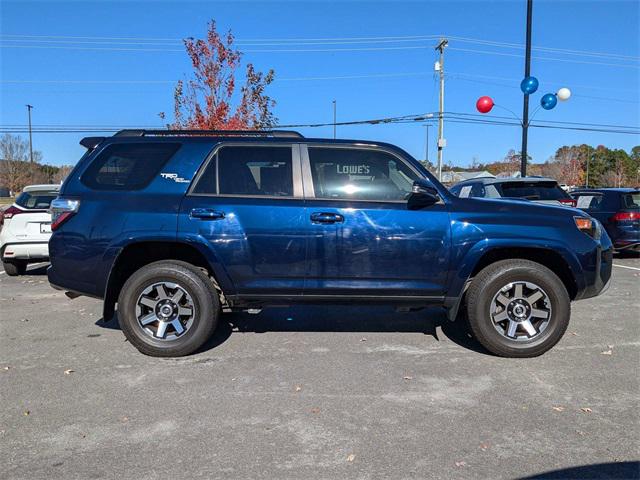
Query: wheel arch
481, 256
136, 255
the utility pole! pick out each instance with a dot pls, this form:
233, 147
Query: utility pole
334, 119
29, 107
439, 67
525, 107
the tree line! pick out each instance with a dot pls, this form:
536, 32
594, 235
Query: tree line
578, 165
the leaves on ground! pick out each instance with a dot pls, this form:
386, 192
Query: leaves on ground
69, 371
558, 408
407, 377
461, 464
586, 409
351, 457
298, 388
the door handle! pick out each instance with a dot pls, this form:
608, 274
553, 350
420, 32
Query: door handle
206, 214
326, 217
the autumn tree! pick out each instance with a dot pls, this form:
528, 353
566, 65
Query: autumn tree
210, 99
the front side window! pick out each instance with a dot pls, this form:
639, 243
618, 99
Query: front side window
359, 174
128, 166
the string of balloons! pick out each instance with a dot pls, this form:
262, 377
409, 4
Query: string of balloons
529, 85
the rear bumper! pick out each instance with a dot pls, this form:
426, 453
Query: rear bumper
627, 245
25, 251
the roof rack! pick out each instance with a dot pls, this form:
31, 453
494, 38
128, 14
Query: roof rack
209, 133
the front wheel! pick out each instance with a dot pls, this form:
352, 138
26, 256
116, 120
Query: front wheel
168, 309
518, 308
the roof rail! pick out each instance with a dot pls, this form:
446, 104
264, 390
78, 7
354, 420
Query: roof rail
209, 133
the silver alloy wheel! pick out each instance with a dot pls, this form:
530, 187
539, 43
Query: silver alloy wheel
520, 311
165, 311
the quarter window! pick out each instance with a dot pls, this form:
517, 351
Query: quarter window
128, 166
359, 174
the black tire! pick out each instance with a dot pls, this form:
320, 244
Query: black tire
195, 282
15, 267
483, 292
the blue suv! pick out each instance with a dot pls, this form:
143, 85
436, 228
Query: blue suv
176, 227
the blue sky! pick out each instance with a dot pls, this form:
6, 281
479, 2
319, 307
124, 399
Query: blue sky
393, 81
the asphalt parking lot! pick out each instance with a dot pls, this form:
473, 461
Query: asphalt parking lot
316, 392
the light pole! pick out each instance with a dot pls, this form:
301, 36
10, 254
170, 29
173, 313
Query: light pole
29, 107
426, 144
334, 119
525, 107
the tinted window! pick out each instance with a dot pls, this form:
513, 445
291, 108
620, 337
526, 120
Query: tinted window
477, 190
533, 190
128, 166
359, 174
36, 200
255, 171
455, 190
631, 200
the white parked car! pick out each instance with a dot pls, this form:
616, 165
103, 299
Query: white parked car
26, 228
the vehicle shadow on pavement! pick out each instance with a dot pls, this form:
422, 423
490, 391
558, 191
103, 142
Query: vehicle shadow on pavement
626, 470
352, 318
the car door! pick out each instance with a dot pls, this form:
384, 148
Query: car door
363, 241
247, 206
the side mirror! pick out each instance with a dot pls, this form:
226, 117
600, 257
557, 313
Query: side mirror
422, 195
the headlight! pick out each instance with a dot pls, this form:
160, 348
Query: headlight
589, 226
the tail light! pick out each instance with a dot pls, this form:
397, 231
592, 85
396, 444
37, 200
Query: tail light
11, 212
626, 216
568, 201
62, 209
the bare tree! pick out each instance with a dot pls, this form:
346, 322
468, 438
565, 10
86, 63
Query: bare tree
16, 170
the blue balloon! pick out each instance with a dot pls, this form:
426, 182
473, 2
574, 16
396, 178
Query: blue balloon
548, 101
529, 85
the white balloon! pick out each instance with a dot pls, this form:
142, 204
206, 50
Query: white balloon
563, 94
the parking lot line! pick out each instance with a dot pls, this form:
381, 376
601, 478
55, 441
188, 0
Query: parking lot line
624, 266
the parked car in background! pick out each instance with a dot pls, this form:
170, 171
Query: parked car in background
537, 189
175, 227
618, 209
26, 228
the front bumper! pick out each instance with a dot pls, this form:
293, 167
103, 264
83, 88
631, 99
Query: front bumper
597, 268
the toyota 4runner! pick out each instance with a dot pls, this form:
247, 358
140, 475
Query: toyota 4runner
176, 227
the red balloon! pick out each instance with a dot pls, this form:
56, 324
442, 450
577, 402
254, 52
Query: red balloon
484, 104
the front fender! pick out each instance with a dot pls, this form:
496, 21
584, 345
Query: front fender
467, 257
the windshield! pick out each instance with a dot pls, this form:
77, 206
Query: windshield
35, 200
533, 190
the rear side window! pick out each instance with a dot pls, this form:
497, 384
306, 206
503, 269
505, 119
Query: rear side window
128, 166
533, 190
631, 200
248, 171
35, 200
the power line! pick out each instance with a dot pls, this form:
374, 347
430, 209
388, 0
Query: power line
106, 40
517, 55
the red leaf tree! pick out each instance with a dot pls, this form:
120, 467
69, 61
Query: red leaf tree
209, 100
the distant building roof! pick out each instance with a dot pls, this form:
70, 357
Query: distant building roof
455, 177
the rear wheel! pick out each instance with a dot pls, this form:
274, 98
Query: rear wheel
518, 308
15, 267
168, 309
